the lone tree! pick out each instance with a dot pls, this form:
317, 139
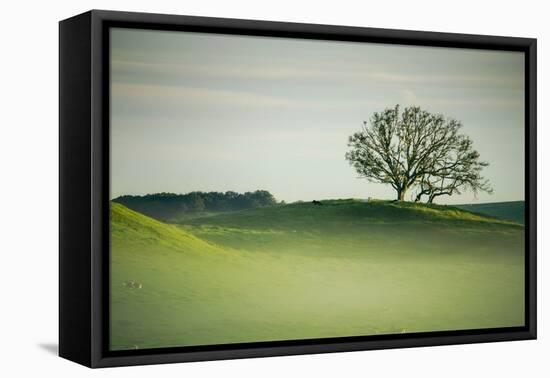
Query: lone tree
416, 148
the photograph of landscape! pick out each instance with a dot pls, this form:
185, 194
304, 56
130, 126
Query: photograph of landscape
271, 189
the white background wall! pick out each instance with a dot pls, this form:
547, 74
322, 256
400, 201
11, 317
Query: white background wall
29, 187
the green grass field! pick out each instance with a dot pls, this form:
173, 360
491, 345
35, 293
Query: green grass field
301, 271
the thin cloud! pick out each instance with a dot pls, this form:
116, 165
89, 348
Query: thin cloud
498, 81
409, 97
216, 71
356, 72
172, 98
175, 96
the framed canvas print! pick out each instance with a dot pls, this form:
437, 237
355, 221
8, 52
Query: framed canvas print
234, 188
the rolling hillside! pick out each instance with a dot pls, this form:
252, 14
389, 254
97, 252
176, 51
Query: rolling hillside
308, 228
512, 211
130, 227
296, 271
350, 212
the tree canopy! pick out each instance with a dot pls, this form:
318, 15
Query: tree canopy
417, 149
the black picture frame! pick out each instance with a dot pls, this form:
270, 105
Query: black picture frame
84, 187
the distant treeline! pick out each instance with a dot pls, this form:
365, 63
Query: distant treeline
170, 206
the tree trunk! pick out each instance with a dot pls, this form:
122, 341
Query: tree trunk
401, 194
431, 199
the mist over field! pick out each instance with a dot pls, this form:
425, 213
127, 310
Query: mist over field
302, 271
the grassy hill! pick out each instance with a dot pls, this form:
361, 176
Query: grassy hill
307, 228
349, 212
132, 228
512, 211
296, 271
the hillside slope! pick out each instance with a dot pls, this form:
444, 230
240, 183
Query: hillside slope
298, 272
356, 226
350, 212
512, 211
131, 227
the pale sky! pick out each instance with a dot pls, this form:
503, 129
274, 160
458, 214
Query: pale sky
208, 112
